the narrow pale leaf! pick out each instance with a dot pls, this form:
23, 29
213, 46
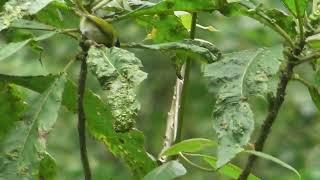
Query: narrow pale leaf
25, 145
273, 159
190, 145
167, 171
196, 49
315, 96
16, 9
119, 74
235, 78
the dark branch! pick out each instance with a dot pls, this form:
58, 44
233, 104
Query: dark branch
81, 113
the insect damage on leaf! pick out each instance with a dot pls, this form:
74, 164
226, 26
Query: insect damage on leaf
119, 74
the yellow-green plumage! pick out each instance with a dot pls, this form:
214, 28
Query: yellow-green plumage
98, 30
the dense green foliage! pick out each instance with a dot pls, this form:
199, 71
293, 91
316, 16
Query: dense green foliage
233, 82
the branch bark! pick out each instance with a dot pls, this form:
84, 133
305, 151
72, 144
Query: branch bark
81, 113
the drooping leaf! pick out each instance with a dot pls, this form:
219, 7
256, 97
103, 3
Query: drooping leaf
235, 78
11, 108
126, 146
196, 49
167, 171
24, 147
273, 159
13, 47
229, 170
16, 9
315, 96
268, 17
297, 11
190, 145
119, 74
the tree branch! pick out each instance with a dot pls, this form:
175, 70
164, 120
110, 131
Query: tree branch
175, 115
81, 113
274, 107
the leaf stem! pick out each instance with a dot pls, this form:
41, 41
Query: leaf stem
296, 77
300, 21
309, 58
81, 113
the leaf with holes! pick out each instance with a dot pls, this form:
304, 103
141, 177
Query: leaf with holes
235, 78
24, 147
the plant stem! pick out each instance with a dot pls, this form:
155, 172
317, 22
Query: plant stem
184, 92
300, 21
274, 107
81, 113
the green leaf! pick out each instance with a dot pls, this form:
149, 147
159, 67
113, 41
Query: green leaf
127, 146
235, 78
25, 146
190, 145
27, 24
16, 9
314, 41
167, 171
11, 108
48, 168
13, 47
119, 74
273, 159
296, 11
315, 96
196, 49
167, 6
185, 17
229, 170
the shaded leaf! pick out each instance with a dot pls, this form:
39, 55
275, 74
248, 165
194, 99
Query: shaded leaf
13, 47
167, 171
11, 108
273, 159
119, 74
16, 9
48, 168
126, 146
300, 8
315, 96
235, 78
197, 49
229, 170
23, 23
190, 145
25, 145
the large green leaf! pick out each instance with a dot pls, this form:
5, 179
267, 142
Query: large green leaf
236, 78
190, 145
25, 145
273, 159
167, 171
11, 108
197, 49
119, 74
16, 9
297, 11
126, 146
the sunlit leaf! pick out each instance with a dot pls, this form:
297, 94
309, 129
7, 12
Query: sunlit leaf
273, 159
190, 145
167, 171
25, 145
298, 10
235, 78
16, 9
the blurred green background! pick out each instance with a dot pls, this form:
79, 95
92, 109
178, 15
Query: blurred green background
295, 136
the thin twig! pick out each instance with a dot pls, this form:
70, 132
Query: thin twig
81, 113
